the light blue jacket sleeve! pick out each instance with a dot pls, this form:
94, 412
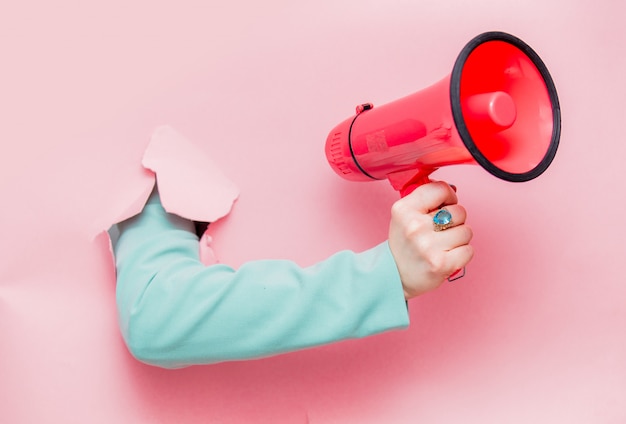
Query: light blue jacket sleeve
175, 312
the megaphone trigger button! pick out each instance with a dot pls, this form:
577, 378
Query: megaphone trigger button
458, 274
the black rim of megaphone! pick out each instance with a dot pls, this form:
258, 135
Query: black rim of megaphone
455, 96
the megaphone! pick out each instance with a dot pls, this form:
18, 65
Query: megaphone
498, 108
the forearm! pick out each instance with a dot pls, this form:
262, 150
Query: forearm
174, 311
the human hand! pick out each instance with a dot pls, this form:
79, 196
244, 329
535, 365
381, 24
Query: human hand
425, 258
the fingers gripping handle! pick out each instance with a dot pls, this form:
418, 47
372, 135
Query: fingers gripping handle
406, 186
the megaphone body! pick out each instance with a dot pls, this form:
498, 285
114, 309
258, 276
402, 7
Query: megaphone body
498, 108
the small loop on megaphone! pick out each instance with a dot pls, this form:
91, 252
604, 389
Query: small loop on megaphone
363, 107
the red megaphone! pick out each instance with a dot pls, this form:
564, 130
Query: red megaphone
498, 108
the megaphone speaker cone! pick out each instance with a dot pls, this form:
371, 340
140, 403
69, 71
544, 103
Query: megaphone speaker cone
505, 106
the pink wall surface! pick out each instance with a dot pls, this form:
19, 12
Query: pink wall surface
535, 332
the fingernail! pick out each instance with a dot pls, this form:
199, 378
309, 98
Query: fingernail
453, 187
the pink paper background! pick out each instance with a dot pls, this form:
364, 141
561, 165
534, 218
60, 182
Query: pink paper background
534, 333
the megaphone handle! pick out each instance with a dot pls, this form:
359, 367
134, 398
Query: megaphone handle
418, 180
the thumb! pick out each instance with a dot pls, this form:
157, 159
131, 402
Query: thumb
431, 196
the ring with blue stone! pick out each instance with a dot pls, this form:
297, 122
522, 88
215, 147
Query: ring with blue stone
442, 220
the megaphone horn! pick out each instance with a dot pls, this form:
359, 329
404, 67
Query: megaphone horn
498, 108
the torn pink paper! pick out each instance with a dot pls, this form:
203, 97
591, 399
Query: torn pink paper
190, 184
133, 198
